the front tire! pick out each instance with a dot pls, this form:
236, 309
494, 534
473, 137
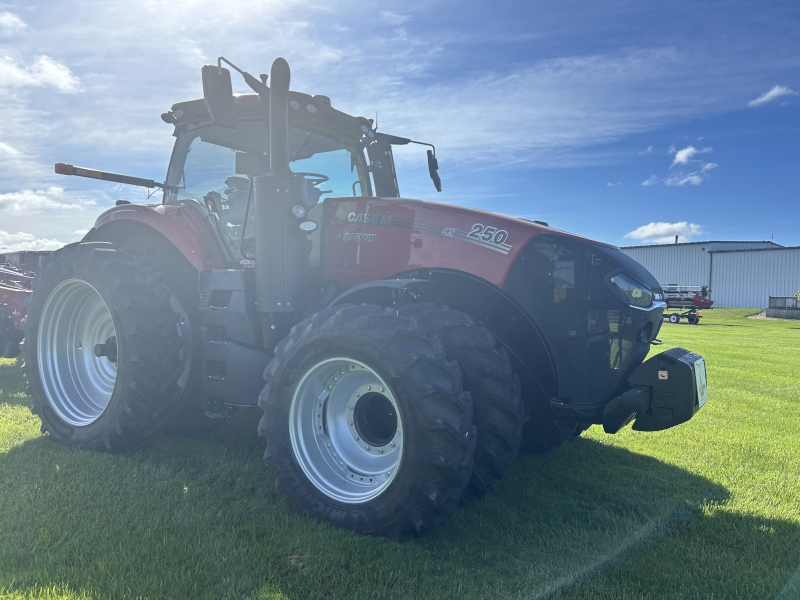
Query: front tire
103, 348
542, 435
495, 389
366, 422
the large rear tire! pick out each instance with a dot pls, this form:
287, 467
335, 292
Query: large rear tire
104, 348
486, 371
366, 422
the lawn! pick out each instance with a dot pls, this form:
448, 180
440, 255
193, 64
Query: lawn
709, 509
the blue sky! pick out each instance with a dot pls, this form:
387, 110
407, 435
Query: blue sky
627, 121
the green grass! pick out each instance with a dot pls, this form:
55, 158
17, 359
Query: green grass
710, 509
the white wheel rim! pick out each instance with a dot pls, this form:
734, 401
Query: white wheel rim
77, 383
346, 431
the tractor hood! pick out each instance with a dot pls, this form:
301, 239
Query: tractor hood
368, 238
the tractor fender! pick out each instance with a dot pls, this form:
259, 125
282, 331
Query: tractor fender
488, 305
384, 292
151, 226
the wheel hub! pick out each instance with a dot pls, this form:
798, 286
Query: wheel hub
374, 418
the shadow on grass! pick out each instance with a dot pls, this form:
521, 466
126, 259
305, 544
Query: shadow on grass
197, 517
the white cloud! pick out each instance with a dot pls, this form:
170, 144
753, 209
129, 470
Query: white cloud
776, 92
43, 71
683, 156
29, 202
11, 22
664, 233
692, 178
7, 151
21, 241
680, 179
648, 150
652, 180
394, 19
612, 184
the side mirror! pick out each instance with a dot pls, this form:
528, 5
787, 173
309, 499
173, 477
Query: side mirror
433, 169
218, 95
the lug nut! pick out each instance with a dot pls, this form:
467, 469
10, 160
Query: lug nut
368, 388
356, 394
350, 407
392, 444
380, 389
349, 422
355, 437
380, 450
366, 447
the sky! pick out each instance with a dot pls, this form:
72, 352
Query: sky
624, 121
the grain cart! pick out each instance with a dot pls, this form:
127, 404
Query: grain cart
409, 347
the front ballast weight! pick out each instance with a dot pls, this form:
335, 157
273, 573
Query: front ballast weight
666, 390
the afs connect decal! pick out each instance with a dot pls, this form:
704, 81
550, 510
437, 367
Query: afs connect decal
480, 234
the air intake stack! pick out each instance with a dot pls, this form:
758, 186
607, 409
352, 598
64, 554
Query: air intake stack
280, 244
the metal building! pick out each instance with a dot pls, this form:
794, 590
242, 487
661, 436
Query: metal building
739, 274
748, 278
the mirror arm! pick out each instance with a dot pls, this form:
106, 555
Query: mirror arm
257, 86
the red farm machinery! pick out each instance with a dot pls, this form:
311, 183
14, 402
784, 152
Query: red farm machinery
687, 300
402, 351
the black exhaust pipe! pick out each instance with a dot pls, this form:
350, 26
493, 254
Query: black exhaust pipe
281, 249
279, 117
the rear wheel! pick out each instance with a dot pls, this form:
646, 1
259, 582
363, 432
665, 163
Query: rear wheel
486, 370
673, 318
366, 422
693, 320
104, 348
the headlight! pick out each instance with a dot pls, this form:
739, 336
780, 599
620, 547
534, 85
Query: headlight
638, 295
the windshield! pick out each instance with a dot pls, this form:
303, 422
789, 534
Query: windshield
215, 167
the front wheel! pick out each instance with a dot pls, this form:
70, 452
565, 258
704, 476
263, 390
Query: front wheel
673, 318
366, 422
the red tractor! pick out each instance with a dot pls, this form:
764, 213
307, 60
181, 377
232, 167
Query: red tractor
409, 348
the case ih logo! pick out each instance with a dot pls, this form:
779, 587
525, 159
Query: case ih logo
369, 218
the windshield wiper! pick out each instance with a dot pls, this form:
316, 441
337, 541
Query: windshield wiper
303, 145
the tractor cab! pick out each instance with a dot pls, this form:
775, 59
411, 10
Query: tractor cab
215, 160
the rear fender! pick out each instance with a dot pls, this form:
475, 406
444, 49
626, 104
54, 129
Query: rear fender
489, 306
148, 226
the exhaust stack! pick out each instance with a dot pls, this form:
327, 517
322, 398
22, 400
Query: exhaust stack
281, 247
